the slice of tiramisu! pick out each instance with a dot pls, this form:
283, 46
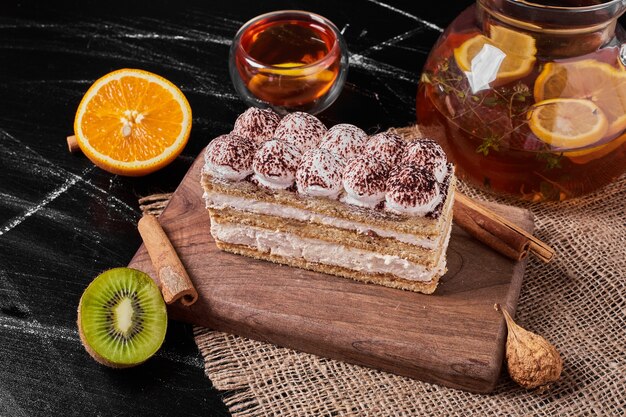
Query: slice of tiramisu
376, 209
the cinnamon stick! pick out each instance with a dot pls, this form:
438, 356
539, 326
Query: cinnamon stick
72, 144
497, 232
173, 278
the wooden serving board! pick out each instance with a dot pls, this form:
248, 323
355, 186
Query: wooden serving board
453, 337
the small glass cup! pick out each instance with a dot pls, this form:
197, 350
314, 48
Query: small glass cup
289, 60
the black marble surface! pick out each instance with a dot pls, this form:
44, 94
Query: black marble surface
62, 220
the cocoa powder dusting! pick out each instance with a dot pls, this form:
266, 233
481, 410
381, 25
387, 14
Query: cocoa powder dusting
275, 158
387, 147
302, 129
366, 175
256, 124
411, 185
231, 150
426, 153
320, 168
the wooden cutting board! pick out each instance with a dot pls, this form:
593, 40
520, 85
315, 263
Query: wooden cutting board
453, 337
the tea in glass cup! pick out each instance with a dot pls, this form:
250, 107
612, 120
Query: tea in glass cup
290, 61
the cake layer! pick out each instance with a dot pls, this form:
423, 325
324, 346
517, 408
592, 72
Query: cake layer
244, 195
350, 238
426, 287
219, 201
291, 246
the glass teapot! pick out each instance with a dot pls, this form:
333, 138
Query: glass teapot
529, 98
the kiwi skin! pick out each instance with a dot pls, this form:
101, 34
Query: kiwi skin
98, 358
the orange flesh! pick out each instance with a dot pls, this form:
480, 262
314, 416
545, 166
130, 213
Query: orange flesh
588, 79
155, 126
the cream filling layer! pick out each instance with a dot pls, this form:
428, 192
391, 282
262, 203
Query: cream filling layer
221, 201
292, 246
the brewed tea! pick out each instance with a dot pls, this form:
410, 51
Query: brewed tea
293, 53
545, 128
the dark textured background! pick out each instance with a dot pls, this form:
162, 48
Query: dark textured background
62, 221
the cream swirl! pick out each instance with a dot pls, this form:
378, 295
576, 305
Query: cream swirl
387, 147
302, 129
319, 174
256, 124
413, 190
275, 164
344, 140
364, 179
229, 157
427, 153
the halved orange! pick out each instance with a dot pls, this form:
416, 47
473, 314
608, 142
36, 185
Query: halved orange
512, 41
519, 48
588, 79
567, 123
591, 154
132, 122
291, 84
296, 69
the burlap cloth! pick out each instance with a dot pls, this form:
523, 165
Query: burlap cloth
578, 302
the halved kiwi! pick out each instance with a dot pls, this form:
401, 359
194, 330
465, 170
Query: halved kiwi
122, 318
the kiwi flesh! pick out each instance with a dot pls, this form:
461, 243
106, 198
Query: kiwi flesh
122, 318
